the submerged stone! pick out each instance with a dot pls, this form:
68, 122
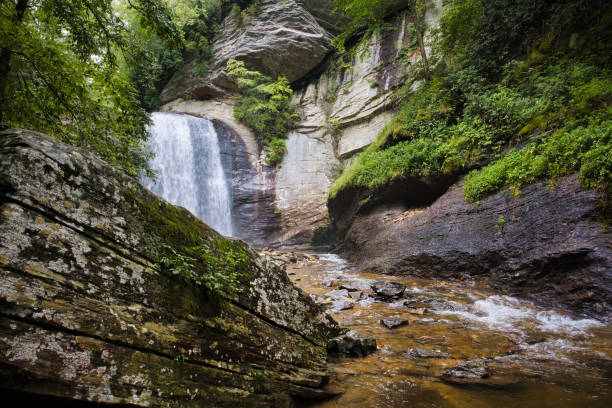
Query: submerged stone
355, 295
337, 294
343, 304
426, 353
393, 323
473, 369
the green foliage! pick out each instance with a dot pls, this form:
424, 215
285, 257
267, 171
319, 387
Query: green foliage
265, 108
249, 12
541, 115
181, 358
149, 63
374, 168
365, 17
585, 149
60, 74
216, 264
501, 222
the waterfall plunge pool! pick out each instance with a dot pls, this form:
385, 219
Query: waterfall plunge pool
536, 357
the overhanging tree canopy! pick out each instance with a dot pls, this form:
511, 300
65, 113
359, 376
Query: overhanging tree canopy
59, 73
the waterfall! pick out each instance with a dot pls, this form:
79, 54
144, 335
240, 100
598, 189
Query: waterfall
190, 174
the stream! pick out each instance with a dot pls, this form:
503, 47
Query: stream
533, 357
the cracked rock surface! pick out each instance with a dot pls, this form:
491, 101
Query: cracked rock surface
87, 315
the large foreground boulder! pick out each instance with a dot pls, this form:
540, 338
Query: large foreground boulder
549, 245
89, 314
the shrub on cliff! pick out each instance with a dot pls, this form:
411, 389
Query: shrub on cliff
265, 108
521, 99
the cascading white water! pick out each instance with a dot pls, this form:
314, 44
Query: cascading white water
190, 174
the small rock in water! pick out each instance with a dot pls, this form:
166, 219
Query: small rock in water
336, 294
352, 343
353, 286
385, 289
534, 339
472, 369
393, 323
476, 373
368, 293
418, 303
355, 295
425, 353
290, 273
343, 304
419, 311
431, 340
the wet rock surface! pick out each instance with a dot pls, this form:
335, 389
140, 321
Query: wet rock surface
352, 343
551, 248
473, 369
427, 353
87, 314
476, 373
254, 215
386, 289
393, 323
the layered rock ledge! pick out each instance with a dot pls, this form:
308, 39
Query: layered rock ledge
547, 245
87, 314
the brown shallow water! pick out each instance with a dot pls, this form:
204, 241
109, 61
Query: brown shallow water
538, 357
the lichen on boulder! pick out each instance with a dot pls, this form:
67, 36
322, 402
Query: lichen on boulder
90, 313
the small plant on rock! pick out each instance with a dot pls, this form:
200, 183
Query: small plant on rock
265, 108
500, 223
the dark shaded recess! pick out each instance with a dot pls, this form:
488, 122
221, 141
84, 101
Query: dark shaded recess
326, 238
314, 74
253, 209
5, 191
410, 192
388, 41
11, 398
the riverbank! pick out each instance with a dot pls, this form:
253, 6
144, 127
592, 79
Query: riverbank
458, 345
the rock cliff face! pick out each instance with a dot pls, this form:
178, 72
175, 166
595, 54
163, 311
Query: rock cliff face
342, 112
343, 107
88, 315
545, 245
254, 215
280, 38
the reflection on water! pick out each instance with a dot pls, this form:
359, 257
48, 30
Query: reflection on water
536, 357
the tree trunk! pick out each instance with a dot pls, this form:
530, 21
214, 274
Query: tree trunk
5, 58
419, 34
